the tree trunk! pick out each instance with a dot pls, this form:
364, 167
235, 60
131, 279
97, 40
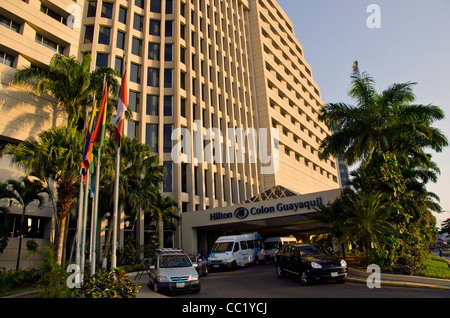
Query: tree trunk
107, 242
60, 244
63, 206
22, 218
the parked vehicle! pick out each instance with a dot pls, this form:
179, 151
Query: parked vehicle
200, 263
272, 244
311, 262
171, 270
236, 250
446, 251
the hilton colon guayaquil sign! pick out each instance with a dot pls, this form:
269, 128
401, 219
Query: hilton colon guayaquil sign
242, 212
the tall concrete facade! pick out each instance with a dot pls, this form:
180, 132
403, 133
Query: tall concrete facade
204, 69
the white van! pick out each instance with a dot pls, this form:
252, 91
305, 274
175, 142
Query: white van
272, 244
236, 250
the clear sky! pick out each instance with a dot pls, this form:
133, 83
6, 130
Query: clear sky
412, 44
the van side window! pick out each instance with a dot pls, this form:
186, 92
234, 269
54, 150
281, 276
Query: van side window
236, 247
250, 244
243, 245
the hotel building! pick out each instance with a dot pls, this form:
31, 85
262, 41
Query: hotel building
194, 65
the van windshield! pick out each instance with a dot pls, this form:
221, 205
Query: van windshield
222, 247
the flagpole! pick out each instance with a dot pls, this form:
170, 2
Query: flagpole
86, 202
94, 217
79, 221
97, 182
115, 210
80, 206
121, 108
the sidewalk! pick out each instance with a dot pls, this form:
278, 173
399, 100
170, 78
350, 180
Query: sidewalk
144, 291
359, 276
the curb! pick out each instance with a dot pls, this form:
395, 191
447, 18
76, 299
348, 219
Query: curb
358, 276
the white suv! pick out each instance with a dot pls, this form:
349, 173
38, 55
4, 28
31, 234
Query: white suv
171, 270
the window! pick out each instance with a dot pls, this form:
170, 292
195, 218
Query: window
48, 43
168, 52
120, 39
89, 34
155, 6
152, 105
167, 146
104, 35
168, 105
168, 182
169, 6
92, 8
184, 178
138, 22
134, 100
6, 59
136, 47
135, 73
151, 137
155, 28
183, 107
102, 60
132, 129
107, 9
183, 31
118, 65
153, 77
169, 28
183, 80
168, 78
183, 55
123, 15
139, 3
10, 24
153, 51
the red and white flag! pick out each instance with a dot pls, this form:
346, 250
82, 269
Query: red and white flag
121, 109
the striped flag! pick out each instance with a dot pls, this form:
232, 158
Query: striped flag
121, 109
87, 152
99, 132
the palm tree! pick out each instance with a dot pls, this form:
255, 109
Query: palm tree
140, 178
164, 209
56, 155
5, 193
387, 121
334, 216
25, 192
367, 220
69, 82
389, 135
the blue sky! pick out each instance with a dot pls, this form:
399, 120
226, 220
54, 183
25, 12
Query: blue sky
412, 44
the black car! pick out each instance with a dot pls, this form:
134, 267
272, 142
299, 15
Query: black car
311, 262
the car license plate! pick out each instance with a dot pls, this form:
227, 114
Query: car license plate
334, 274
180, 285
216, 266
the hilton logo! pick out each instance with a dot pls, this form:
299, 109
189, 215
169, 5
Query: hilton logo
241, 213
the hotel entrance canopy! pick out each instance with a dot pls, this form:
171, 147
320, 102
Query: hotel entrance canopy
274, 212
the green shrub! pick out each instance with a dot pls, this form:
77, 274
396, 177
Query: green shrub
104, 284
14, 279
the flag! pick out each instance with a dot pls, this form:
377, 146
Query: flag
121, 109
99, 131
87, 152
